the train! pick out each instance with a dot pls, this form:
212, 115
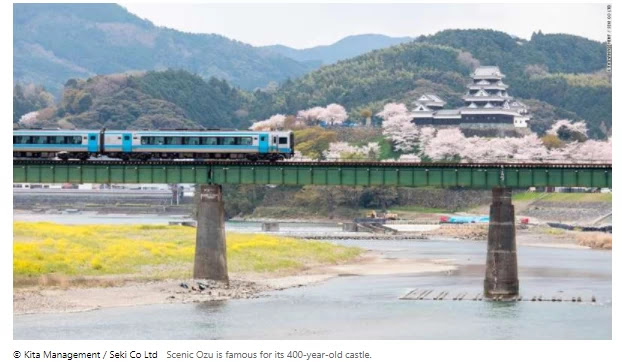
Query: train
147, 145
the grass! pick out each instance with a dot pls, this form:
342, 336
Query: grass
595, 240
153, 251
562, 197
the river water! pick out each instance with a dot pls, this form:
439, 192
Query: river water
369, 307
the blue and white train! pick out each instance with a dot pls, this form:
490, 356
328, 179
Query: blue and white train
147, 145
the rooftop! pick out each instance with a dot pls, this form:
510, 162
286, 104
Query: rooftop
487, 72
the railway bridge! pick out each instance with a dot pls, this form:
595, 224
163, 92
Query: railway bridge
501, 277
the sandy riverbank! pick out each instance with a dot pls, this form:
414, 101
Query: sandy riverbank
133, 293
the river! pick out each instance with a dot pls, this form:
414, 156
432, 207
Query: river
369, 307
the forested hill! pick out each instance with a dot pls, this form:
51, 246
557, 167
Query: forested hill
559, 76
151, 100
55, 42
348, 47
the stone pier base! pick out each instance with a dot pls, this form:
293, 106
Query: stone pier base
210, 255
501, 279
350, 226
270, 226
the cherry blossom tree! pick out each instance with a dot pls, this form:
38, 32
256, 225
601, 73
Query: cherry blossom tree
298, 156
529, 148
590, 151
334, 114
311, 115
446, 145
29, 119
346, 151
580, 127
410, 157
568, 131
425, 135
392, 109
275, 122
397, 125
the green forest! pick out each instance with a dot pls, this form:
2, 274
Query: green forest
557, 76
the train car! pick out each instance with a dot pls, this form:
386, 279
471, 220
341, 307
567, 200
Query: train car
186, 144
64, 144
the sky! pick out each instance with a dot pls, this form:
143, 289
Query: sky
307, 25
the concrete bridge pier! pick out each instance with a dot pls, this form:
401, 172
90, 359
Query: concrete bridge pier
210, 255
501, 279
270, 226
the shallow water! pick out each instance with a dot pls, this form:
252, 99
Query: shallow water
368, 307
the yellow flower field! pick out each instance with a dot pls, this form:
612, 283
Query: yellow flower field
154, 251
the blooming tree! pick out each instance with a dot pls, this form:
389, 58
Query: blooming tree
334, 114
298, 156
346, 151
397, 125
411, 157
273, 123
446, 145
311, 115
29, 118
579, 127
392, 109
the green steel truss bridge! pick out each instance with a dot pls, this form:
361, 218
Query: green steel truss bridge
467, 175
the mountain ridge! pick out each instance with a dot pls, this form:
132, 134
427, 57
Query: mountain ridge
56, 42
347, 47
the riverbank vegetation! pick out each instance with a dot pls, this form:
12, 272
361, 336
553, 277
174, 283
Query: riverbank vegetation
152, 252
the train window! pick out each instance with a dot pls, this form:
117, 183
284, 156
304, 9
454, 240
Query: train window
274, 140
39, 140
172, 140
56, 140
282, 140
245, 141
209, 141
191, 140
227, 141
92, 137
126, 138
22, 139
263, 138
73, 140
146, 140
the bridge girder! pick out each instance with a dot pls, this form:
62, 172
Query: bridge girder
482, 176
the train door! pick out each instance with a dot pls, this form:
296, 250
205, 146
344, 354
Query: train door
126, 142
263, 142
92, 144
275, 144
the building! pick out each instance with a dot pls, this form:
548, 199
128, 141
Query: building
486, 102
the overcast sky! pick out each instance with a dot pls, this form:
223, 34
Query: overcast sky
308, 25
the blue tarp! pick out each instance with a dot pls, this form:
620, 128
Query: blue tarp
468, 219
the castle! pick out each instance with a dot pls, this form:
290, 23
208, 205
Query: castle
486, 103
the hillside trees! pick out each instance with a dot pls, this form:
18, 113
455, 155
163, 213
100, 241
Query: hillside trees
28, 98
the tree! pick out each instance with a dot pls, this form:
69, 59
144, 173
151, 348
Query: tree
447, 145
313, 141
346, 151
398, 127
273, 123
334, 114
567, 131
311, 115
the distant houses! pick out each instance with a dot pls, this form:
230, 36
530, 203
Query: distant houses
486, 104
